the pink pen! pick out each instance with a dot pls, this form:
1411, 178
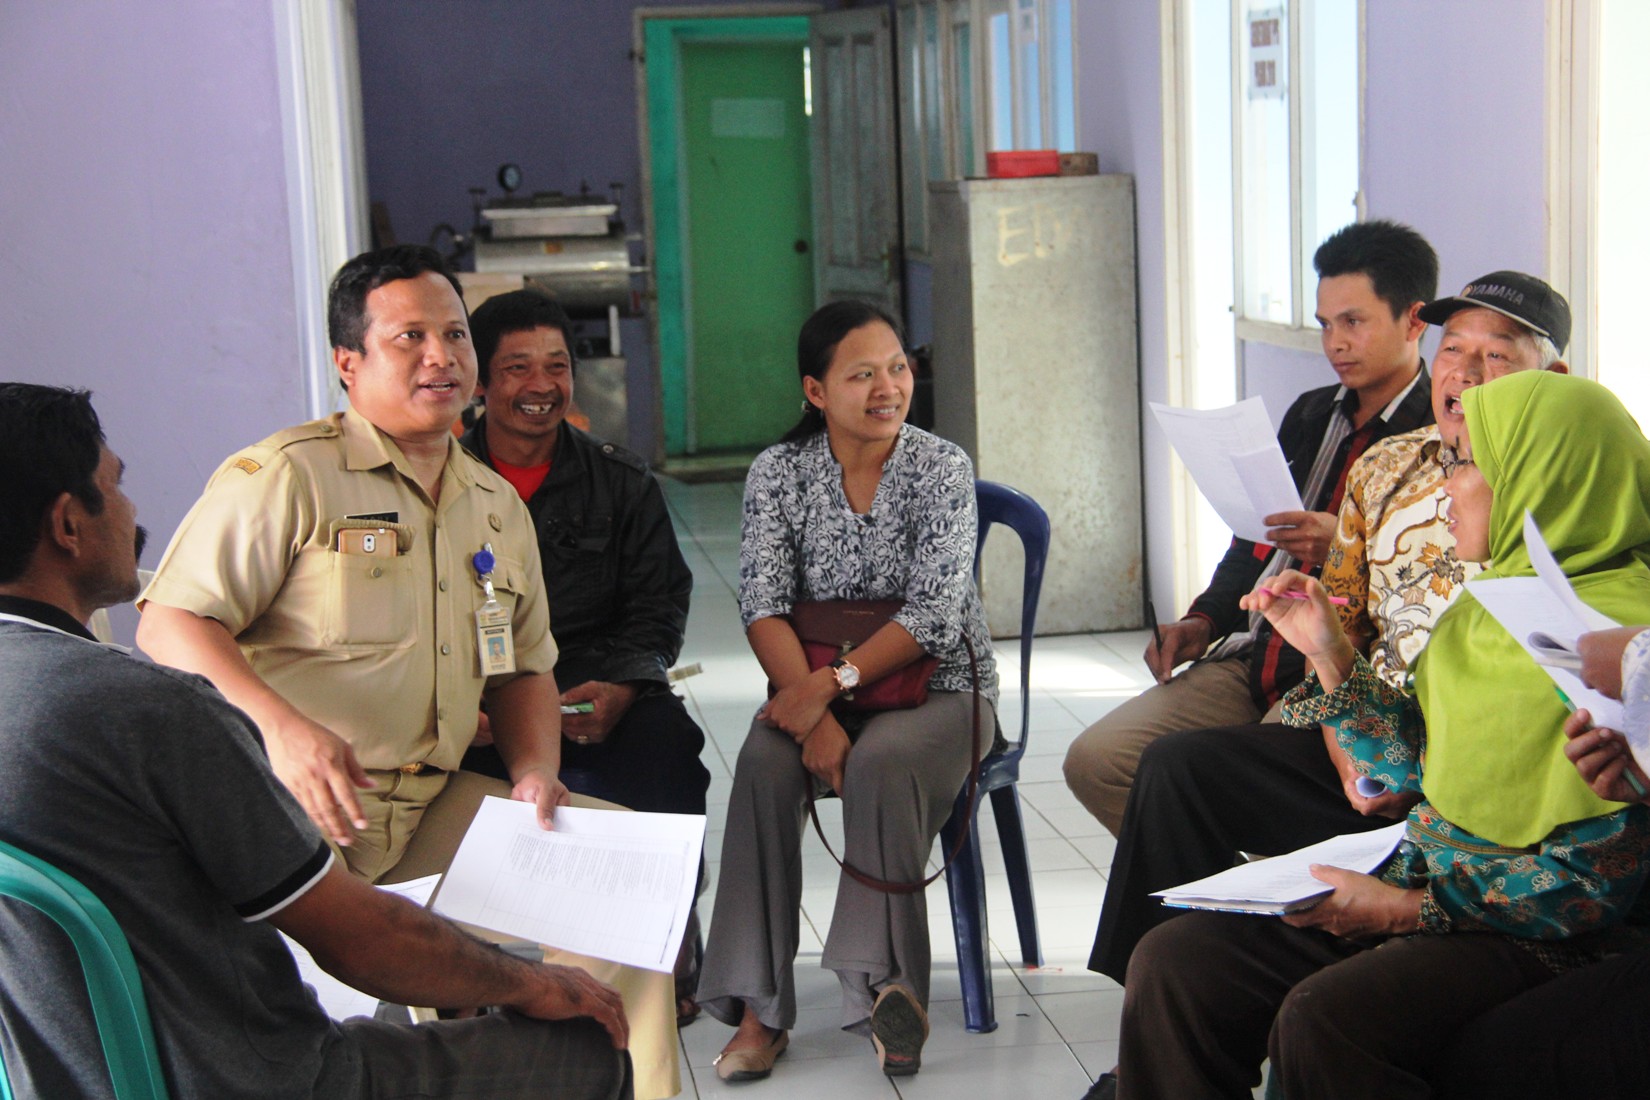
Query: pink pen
1297, 594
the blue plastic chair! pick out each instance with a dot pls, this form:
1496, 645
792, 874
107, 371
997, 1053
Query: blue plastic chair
999, 772
112, 979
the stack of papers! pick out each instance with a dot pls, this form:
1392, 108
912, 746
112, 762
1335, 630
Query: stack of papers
1235, 459
1283, 884
605, 883
1546, 616
338, 1000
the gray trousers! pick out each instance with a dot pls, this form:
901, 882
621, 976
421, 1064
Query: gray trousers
502, 1056
902, 776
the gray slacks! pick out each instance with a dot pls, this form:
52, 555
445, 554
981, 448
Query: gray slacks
902, 776
497, 1057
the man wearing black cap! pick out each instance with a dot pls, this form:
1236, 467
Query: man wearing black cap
1203, 796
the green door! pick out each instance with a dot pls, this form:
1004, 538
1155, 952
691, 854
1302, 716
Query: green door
749, 234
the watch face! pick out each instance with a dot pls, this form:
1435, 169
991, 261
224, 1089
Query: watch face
847, 676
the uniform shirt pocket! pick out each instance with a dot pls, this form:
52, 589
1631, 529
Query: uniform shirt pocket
370, 601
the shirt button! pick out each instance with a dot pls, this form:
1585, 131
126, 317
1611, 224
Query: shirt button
445, 649
377, 572
440, 714
442, 584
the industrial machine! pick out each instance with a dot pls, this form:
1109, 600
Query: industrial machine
573, 247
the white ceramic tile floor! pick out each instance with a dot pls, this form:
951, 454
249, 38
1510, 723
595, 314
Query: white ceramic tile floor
1057, 1024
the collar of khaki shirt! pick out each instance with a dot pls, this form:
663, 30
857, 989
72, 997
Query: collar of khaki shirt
367, 447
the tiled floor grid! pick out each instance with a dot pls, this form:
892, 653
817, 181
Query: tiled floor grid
1057, 1025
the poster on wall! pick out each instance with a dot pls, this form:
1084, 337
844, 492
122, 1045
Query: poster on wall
1268, 60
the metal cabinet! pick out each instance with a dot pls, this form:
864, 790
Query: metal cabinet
1037, 376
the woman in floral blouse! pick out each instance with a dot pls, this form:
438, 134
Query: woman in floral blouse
1511, 870
852, 504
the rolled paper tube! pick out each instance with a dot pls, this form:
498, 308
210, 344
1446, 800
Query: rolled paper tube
1370, 788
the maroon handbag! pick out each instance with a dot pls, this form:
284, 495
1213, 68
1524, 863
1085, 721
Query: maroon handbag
829, 629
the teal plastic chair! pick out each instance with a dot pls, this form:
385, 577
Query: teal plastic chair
111, 973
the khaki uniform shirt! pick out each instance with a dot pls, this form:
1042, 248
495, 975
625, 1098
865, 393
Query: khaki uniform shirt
380, 650
1393, 557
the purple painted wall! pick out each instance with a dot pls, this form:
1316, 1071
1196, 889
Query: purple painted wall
1455, 130
145, 219
451, 89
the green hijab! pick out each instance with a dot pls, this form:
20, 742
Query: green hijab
1564, 449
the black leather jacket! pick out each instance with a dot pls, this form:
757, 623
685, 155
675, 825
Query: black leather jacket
617, 584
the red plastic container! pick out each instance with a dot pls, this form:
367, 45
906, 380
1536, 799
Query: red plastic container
1023, 162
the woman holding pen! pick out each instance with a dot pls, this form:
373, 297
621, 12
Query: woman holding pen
1361, 995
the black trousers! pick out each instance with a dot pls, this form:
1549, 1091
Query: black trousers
1201, 797
1581, 1036
1212, 994
649, 762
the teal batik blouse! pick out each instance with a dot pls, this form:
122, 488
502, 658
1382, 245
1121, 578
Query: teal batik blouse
1574, 897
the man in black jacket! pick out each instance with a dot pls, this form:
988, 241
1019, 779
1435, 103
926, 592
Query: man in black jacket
1373, 278
617, 583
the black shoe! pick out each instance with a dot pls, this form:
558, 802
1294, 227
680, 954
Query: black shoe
1104, 1088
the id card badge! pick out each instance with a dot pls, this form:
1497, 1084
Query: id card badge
495, 640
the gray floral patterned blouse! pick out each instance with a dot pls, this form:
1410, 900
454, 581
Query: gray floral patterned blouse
802, 541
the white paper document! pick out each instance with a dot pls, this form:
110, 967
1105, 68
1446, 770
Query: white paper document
1546, 616
606, 883
337, 999
1234, 457
1282, 884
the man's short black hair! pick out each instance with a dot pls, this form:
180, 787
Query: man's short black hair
50, 444
347, 298
1399, 261
516, 311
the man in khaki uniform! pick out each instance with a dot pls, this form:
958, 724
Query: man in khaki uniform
330, 582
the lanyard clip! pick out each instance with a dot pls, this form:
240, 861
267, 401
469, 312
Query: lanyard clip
483, 562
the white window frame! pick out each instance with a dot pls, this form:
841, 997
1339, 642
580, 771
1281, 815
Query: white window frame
320, 89
1301, 333
950, 14
1572, 125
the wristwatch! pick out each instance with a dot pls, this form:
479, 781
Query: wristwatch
847, 676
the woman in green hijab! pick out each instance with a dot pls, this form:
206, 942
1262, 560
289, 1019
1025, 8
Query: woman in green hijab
1508, 841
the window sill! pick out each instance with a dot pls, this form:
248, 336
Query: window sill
1283, 336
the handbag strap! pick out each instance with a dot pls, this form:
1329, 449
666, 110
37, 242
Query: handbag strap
883, 886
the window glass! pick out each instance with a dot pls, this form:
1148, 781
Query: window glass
1000, 82
1264, 192
1329, 123
1063, 108
910, 107
963, 58
1029, 103
933, 113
